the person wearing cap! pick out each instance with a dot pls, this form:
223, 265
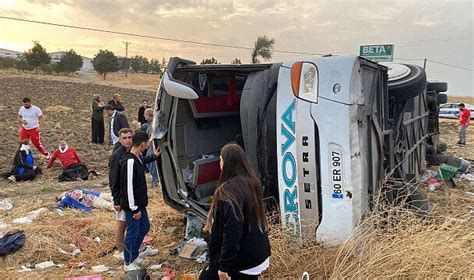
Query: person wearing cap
116, 102
117, 122
97, 119
464, 116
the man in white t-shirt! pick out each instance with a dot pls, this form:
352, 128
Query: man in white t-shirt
30, 118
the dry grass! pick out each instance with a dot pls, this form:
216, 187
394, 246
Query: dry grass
137, 79
391, 243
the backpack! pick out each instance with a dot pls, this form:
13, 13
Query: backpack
12, 242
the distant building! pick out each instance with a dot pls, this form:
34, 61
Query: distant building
86, 62
9, 53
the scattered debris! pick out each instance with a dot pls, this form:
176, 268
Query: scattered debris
433, 184
73, 253
44, 265
193, 248
100, 268
26, 268
31, 216
87, 277
202, 258
169, 274
6, 204
59, 212
469, 195
149, 251
155, 267
194, 225
147, 239
97, 239
12, 242
136, 274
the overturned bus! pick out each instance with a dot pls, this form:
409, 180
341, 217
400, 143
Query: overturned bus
321, 134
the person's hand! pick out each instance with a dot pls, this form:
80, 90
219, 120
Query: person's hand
137, 216
157, 152
34, 167
118, 208
223, 275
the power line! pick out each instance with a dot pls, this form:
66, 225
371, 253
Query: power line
149, 36
450, 65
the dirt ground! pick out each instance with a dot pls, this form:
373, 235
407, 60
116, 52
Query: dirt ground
66, 104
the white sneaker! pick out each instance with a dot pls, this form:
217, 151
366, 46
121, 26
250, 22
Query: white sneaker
131, 267
120, 256
12, 178
139, 261
149, 251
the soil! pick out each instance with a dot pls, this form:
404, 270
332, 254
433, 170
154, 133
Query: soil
66, 104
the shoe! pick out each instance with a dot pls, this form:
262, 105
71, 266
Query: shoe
149, 251
464, 144
12, 178
139, 261
131, 267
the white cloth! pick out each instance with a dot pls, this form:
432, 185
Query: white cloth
114, 137
30, 116
62, 151
25, 148
258, 269
120, 215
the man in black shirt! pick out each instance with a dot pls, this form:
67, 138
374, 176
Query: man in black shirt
116, 102
134, 199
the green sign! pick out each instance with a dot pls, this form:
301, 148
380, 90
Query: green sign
377, 53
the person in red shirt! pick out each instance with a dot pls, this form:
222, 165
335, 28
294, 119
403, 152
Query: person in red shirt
464, 116
71, 163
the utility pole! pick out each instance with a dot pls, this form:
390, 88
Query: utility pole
126, 57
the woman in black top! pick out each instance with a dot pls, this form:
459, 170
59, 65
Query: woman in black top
239, 247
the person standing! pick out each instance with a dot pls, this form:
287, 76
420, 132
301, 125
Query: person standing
117, 122
30, 118
116, 102
125, 141
146, 127
239, 247
134, 199
141, 111
97, 119
464, 116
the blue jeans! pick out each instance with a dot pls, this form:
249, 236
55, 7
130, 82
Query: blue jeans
152, 168
136, 231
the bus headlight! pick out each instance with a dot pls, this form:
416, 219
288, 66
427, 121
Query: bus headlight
304, 81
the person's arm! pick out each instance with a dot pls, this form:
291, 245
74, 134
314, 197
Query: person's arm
232, 233
119, 106
41, 121
52, 159
114, 168
76, 156
20, 120
130, 192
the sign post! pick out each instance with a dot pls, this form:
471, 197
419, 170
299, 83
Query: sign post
379, 53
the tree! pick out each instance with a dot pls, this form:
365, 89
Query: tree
209, 61
69, 63
263, 48
164, 63
7, 62
139, 64
155, 67
22, 65
37, 56
104, 62
236, 61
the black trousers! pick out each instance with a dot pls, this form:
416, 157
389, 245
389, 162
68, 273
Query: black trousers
26, 176
97, 131
211, 274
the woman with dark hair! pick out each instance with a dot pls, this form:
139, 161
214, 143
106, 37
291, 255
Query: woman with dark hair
97, 120
239, 247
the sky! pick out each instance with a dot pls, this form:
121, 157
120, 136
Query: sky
440, 31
